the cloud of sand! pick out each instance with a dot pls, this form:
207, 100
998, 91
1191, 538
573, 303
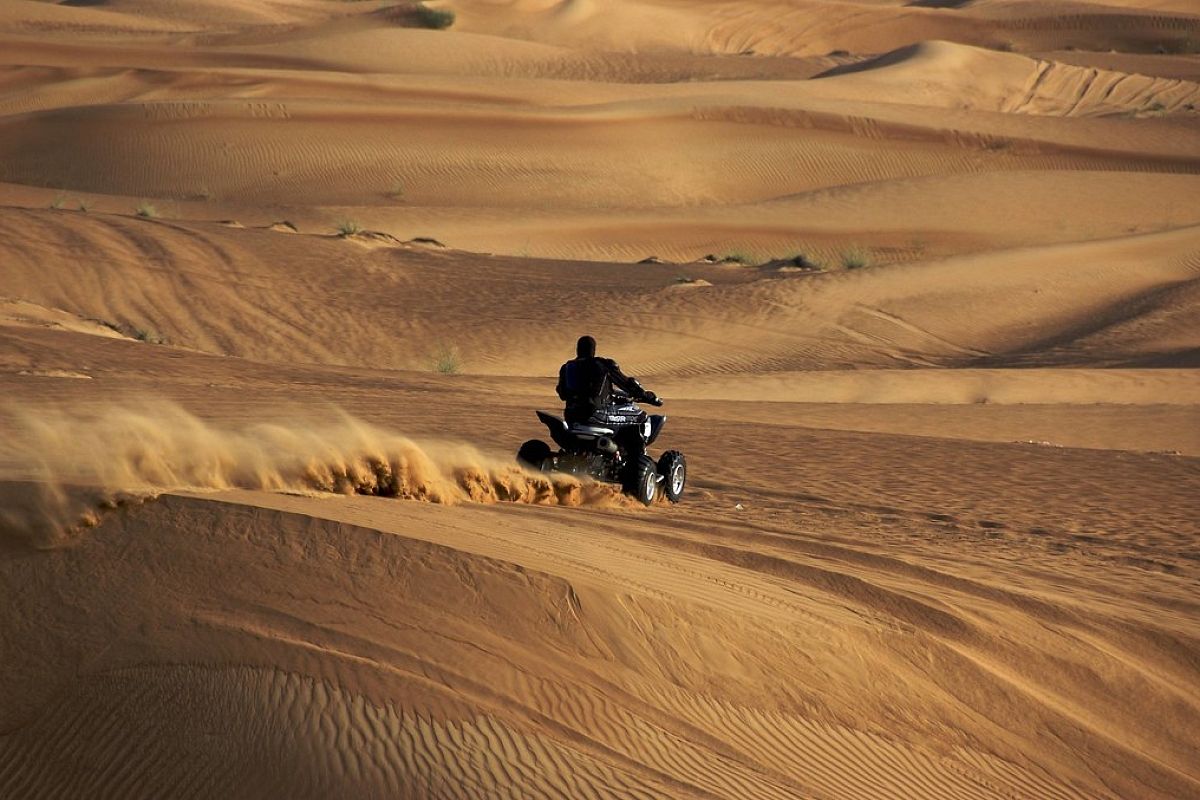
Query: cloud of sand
61, 469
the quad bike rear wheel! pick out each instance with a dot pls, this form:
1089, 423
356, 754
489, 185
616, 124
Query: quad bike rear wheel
642, 481
672, 466
534, 454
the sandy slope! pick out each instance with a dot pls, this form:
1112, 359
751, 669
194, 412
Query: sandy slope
912, 616
940, 403
578, 699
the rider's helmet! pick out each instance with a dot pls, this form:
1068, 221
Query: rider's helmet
585, 347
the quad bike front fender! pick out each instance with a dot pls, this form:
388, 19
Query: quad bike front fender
656, 425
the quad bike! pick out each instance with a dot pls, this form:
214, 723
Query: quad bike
611, 448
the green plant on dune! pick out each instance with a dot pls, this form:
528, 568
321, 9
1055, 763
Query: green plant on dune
739, 258
856, 258
348, 227
85, 206
395, 191
436, 18
146, 210
445, 360
148, 335
58, 201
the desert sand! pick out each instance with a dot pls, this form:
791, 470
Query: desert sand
282, 283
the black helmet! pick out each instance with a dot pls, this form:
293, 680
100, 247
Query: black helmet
585, 347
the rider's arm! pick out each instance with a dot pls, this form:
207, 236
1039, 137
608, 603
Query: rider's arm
623, 381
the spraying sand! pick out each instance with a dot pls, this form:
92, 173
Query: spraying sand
79, 464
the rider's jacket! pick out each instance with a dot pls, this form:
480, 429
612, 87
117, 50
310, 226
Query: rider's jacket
586, 384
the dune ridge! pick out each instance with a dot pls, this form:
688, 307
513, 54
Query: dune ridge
1121, 302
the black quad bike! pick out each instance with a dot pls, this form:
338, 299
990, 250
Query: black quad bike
611, 449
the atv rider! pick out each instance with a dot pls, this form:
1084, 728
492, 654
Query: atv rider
585, 384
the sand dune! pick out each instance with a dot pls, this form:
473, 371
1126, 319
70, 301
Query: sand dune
802, 28
545, 149
282, 283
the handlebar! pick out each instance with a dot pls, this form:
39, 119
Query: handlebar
650, 398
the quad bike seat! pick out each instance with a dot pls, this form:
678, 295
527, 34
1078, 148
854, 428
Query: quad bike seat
581, 429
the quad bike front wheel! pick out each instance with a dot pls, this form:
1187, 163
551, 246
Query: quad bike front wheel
643, 480
534, 454
672, 466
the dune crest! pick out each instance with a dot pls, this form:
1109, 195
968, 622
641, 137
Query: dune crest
933, 74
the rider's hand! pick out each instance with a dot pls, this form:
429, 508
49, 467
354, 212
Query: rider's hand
653, 399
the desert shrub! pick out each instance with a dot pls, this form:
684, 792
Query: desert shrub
147, 335
395, 191
58, 201
445, 360
147, 210
348, 227
436, 18
856, 258
85, 206
738, 258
